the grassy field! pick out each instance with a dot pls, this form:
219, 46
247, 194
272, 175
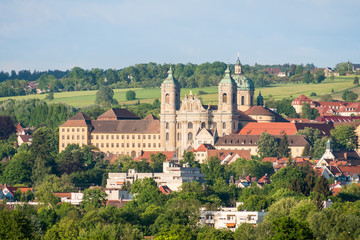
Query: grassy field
147, 95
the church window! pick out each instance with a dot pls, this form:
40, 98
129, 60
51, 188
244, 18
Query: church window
224, 98
167, 137
190, 136
215, 125
167, 98
203, 125
190, 125
242, 100
178, 136
167, 125
178, 125
224, 125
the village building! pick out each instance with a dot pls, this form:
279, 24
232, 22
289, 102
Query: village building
173, 176
230, 218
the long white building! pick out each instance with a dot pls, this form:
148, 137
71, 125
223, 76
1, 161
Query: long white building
172, 176
230, 218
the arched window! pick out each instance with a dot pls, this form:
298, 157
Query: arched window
224, 98
203, 125
178, 136
224, 125
167, 136
190, 125
167, 98
167, 125
178, 125
242, 100
190, 136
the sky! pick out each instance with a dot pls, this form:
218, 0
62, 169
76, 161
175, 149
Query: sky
47, 35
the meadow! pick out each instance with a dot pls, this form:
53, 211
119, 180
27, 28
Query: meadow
147, 95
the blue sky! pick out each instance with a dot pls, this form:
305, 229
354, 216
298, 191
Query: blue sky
45, 34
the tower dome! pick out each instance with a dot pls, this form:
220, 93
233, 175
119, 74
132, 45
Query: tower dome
244, 83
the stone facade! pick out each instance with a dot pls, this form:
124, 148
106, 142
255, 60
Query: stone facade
181, 121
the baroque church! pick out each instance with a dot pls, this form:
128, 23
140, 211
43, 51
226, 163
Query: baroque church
185, 123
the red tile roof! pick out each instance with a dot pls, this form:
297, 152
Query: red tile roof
273, 128
264, 180
222, 154
117, 114
62, 195
204, 147
147, 155
165, 189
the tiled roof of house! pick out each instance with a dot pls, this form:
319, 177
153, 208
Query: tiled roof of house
165, 189
78, 120
147, 155
251, 140
349, 170
26, 138
324, 128
272, 71
222, 154
126, 126
335, 119
260, 110
273, 128
264, 180
62, 195
117, 114
302, 98
204, 147
150, 117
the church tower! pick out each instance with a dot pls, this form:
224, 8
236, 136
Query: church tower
170, 102
226, 116
245, 88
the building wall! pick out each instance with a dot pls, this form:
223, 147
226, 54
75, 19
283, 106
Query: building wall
73, 135
115, 143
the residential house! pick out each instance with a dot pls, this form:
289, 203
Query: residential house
230, 218
173, 176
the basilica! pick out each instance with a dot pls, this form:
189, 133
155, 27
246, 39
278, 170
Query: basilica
187, 123
184, 124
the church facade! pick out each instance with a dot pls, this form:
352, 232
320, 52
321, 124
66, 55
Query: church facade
182, 120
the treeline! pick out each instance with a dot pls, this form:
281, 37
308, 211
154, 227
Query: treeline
140, 75
293, 201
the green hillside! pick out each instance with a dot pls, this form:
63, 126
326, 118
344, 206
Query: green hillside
147, 95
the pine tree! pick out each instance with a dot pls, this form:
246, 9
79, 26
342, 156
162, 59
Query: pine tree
283, 150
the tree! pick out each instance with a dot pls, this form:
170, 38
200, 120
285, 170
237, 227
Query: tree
322, 186
356, 80
344, 137
319, 75
105, 96
319, 147
307, 78
130, 95
291, 229
311, 134
283, 150
49, 96
308, 112
93, 199
18, 170
267, 145
349, 96
44, 147
326, 98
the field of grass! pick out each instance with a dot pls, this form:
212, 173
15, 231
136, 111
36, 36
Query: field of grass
147, 95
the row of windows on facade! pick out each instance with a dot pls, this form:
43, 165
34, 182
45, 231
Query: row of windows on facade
190, 125
107, 137
73, 129
117, 145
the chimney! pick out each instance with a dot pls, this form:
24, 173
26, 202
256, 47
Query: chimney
345, 155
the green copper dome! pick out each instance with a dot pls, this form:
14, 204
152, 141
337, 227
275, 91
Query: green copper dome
244, 83
170, 78
227, 78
